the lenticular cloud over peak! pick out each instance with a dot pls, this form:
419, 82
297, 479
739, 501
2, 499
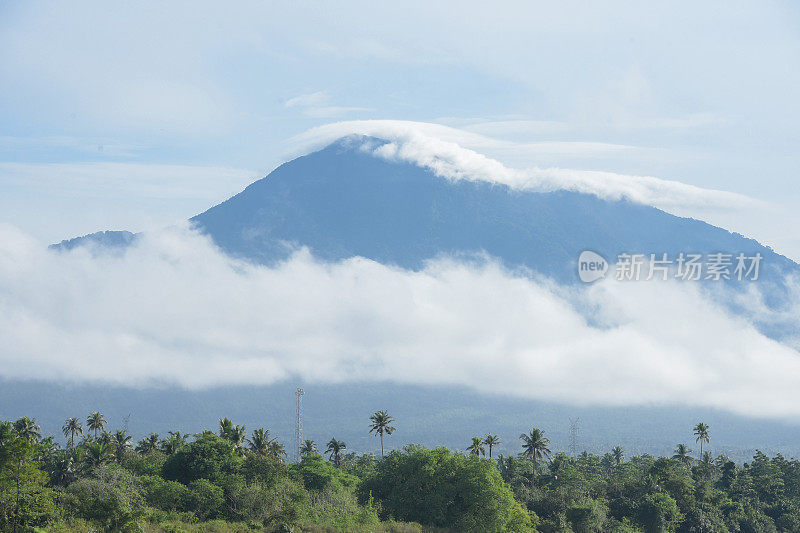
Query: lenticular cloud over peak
456, 154
175, 310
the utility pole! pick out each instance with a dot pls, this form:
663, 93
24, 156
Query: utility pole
298, 427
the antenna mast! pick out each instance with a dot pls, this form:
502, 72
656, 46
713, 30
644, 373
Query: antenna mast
573, 436
298, 428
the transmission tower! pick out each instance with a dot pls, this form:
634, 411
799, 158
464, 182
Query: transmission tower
298, 427
573, 436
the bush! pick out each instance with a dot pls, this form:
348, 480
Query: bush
164, 494
204, 498
149, 464
209, 457
444, 489
318, 474
111, 497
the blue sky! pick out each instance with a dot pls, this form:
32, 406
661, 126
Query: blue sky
138, 115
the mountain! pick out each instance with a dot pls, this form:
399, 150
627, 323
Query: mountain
107, 240
344, 201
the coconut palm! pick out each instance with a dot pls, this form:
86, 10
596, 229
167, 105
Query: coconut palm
172, 443
535, 447
682, 454
98, 453
309, 447
72, 426
491, 441
381, 424
148, 444
706, 465
259, 441
476, 448
334, 450
120, 442
96, 422
63, 468
701, 432
234, 433
618, 455
276, 450
28, 429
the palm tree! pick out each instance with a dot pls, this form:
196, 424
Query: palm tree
72, 426
259, 441
491, 441
476, 448
175, 440
701, 432
334, 449
707, 465
148, 444
682, 454
309, 447
28, 429
63, 469
96, 422
120, 442
236, 434
98, 453
381, 425
535, 447
276, 450
618, 455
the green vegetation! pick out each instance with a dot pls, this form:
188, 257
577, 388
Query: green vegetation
230, 480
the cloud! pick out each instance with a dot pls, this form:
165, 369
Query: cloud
304, 100
315, 105
174, 310
451, 153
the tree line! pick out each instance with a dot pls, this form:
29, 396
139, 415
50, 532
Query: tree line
232, 480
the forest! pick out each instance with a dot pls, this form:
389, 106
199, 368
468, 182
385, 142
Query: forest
231, 479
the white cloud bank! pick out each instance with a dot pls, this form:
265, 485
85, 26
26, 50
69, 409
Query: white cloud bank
173, 310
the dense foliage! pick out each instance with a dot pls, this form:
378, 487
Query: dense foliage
229, 481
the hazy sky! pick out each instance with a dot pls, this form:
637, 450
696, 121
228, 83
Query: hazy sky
129, 115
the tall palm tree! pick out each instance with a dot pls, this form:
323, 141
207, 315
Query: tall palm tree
701, 432
682, 452
96, 422
381, 424
28, 429
120, 442
618, 455
309, 447
491, 441
535, 447
148, 444
72, 426
259, 441
476, 448
334, 450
